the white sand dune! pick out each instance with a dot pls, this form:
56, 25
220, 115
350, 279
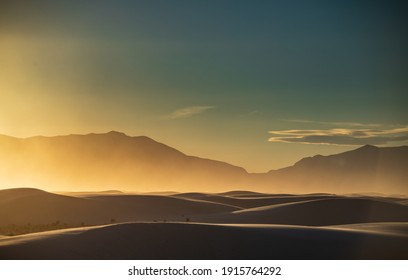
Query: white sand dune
241, 193
313, 226
404, 201
23, 206
206, 241
395, 229
92, 193
149, 207
252, 202
318, 212
34, 237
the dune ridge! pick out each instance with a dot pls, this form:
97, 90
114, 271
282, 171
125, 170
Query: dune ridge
236, 225
318, 212
23, 206
147, 241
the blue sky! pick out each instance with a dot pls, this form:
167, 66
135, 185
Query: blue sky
258, 84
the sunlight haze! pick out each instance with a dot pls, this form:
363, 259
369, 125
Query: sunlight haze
212, 79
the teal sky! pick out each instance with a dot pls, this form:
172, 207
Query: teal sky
258, 84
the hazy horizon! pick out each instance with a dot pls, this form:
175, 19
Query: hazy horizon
216, 129
255, 84
346, 148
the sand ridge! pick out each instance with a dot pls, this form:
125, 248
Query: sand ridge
203, 226
147, 241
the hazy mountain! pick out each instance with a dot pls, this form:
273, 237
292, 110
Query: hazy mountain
366, 169
105, 161
116, 161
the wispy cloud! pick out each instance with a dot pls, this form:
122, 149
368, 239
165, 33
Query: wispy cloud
342, 136
352, 124
188, 112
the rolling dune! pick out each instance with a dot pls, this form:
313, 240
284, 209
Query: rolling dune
203, 226
205, 241
397, 229
252, 202
318, 212
24, 206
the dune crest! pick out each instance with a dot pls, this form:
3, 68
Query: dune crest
147, 241
200, 226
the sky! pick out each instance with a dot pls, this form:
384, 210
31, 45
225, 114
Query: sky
258, 84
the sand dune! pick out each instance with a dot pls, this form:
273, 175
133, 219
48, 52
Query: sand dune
147, 207
205, 241
318, 212
404, 202
236, 225
241, 193
397, 229
92, 193
113, 192
252, 202
192, 195
259, 195
247, 194
23, 206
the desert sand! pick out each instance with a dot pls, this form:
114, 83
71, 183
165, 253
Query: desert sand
232, 225
208, 241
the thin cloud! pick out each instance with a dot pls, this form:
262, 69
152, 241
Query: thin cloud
352, 124
188, 112
342, 136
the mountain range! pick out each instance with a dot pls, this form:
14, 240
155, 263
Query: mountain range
139, 164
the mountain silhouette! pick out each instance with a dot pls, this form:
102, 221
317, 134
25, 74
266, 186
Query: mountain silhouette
366, 169
116, 161
102, 161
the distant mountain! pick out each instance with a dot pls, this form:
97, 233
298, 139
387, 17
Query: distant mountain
116, 161
366, 169
106, 161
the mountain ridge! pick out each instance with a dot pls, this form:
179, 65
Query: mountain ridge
98, 161
107, 160
365, 169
